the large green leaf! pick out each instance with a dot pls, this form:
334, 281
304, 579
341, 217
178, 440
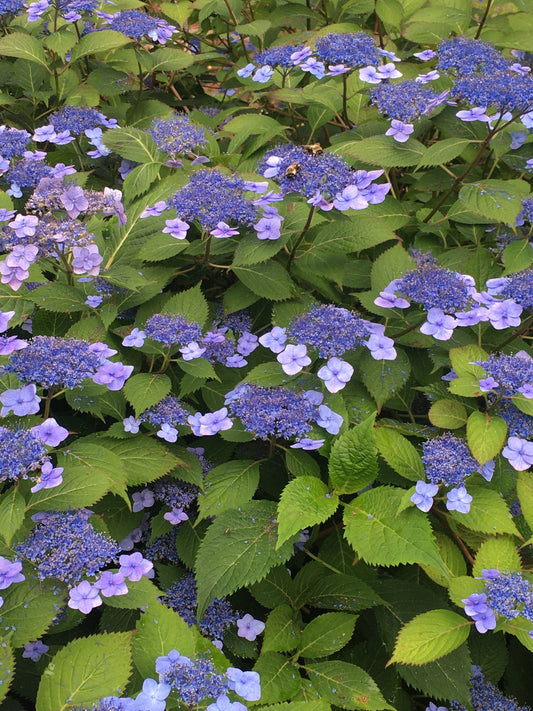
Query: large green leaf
488, 512
305, 501
347, 592
98, 42
12, 507
282, 630
228, 486
89, 472
353, 462
384, 378
85, 670
190, 303
326, 634
143, 458
159, 630
29, 609
430, 636
485, 435
268, 280
280, 679
146, 389
345, 685
399, 453
383, 537
133, 144
7, 669
239, 548
500, 200
384, 151
24, 46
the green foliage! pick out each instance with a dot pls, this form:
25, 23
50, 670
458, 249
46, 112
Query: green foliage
305, 501
430, 636
249, 551
353, 462
85, 669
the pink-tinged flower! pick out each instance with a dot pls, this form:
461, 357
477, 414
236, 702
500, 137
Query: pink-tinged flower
49, 479
504, 314
114, 375
400, 131
86, 260
23, 401
249, 628
350, 199
142, 500
135, 338
74, 201
5, 318
111, 584
176, 516
222, 230
34, 650
274, 339
294, 358
176, 228
381, 347
158, 209
167, 432
84, 597
134, 566
438, 325
22, 256
335, 374
519, 453
24, 225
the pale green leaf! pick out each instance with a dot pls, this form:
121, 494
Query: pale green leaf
305, 502
326, 634
353, 462
228, 486
146, 389
485, 435
399, 453
430, 636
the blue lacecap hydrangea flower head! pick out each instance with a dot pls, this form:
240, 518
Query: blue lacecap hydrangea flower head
65, 545
463, 56
331, 330
20, 454
177, 135
355, 49
405, 101
211, 197
447, 460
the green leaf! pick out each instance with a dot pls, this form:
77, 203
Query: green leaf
301, 463
140, 593
353, 462
444, 151
305, 501
337, 591
282, 631
524, 404
84, 670
190, 303
28, 610
498, 200
96, 43
7, 668
345, 685
462, 360
524, 490
453, 559
465, 386
139, 180
146, 389
250, 124
448, 414
384, 378
12, 508
446, 678
488, 512
267, 374
280, 679
168, 59
159, 630
132, 143
326, 634
89, 470
382, 537
499, 553
24, 46
517, 256
228, 486
430, 636
268, 280
198, 368
384, 151
161, 247
399, 453
239, 548
350, 234
485, 435
59, 297
142, 458
275, 589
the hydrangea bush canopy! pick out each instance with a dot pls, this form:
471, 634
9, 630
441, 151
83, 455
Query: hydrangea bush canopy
266, 372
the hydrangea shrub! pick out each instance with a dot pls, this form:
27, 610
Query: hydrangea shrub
266, 380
